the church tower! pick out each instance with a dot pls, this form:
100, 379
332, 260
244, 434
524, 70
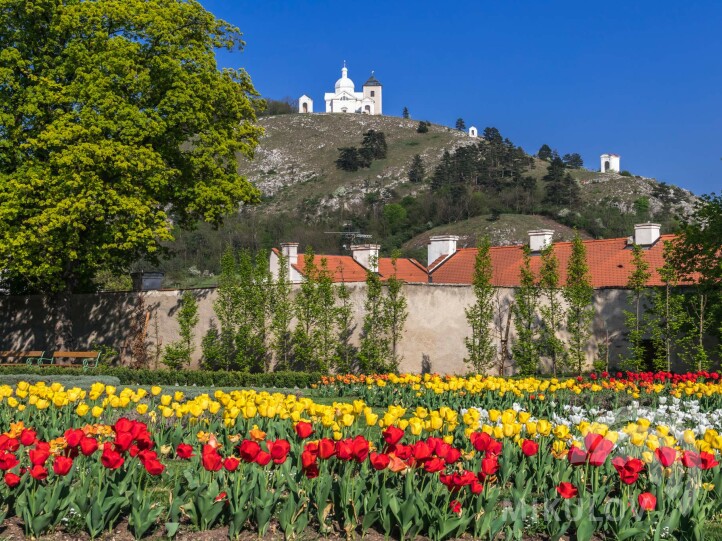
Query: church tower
372, 89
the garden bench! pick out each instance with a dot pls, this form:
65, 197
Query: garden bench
28, 356
89, 359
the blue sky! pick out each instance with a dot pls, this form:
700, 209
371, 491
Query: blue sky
641, 79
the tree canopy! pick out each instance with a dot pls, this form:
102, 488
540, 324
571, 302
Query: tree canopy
115, 125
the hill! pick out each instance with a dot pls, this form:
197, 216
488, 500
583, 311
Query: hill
472, 187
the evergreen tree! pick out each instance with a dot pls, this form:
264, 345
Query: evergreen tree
579, 295
423, 127
561, 188
633, 319
349, 159
374, 142
552, 311
178, 354
460, 124
573, 160
374, 350
395, 314
526, 300
544, 153
481, 351
405, 113
417, 171
492, 135
282, 308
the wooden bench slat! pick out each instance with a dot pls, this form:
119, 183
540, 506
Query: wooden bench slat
21, 353
74, 354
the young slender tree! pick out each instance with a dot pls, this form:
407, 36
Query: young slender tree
405, 113
395, 313
345, 358
460, 124
417, 171
282, 308
374, 350
579, 296
526, 300
308, 308
634, 319
178, 354
326, 333
552, 311
481, 351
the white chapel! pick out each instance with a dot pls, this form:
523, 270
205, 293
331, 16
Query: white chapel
345, 99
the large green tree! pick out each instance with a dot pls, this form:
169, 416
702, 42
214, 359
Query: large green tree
115, 124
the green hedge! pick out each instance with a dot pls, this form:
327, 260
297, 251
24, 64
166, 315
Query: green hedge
205, 378
66, 380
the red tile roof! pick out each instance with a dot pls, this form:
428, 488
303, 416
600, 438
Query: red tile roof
344, 268
609, 260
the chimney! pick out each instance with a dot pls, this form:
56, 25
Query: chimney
289, 250
440, 245
540, 239
646, 234
367, 255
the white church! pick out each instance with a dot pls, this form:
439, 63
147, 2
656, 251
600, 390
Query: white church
345, 99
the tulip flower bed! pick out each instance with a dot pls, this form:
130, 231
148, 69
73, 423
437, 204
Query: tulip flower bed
254, 463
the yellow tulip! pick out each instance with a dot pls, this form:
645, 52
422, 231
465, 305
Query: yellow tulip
97, 411
142, 409
155, 390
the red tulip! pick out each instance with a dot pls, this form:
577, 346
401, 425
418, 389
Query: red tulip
263, 458
28, 437
221, 496
307, 458
476, 487
326, 448
628, 469
392, 435
489, 466
210, 458
647, 501
421, 451
184, 451
39, 473
8, 461
455, 506
110, 458
123, 425
88, 445
153, 467
529, 447
249, 450
666, 456
360, 448
344, 449
38, 457
707, 461
567, 490
231, 463
434, 465
12, 480
303, 429
279, 450
576, 456
73, 436
403, 451
379, 461
480, 440
62, 465
311, 471
452, 456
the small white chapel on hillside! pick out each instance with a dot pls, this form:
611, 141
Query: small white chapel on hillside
344, 98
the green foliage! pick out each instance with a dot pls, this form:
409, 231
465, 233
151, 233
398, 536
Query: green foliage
405, 113
115, 120
460, 124
374, 144
480, 348
345, 357
561, 189
177, 355
282, 309
573, 160
544, 153
285, 106
634, 319
552, 311
417, 171
349, 159
373, 147
526, 299
395, 313
423, 126
579, 296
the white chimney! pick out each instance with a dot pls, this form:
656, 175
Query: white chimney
540, 239
646, 234
440, 245
367, 255
289, 250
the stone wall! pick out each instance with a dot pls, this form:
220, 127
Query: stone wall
433, 339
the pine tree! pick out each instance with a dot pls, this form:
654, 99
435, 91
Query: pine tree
526, 300
417, 171
579, 295
552, 311
375, 143
460, 124
423, 127
480, 348
349, 159
573, 160
178, 354
633, 319
544, 153
405, 113
395, 314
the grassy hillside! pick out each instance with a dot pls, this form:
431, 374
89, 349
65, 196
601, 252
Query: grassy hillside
305, 196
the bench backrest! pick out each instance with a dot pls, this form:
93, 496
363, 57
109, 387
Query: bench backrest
75, 354
21, 353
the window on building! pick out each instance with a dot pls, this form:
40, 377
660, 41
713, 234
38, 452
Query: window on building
373, 93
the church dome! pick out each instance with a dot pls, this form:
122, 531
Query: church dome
344, 83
